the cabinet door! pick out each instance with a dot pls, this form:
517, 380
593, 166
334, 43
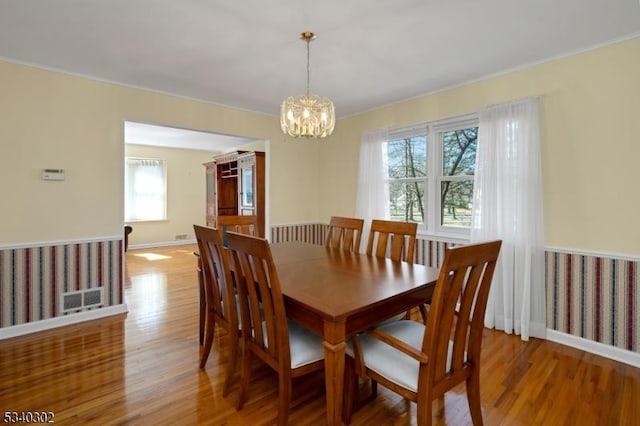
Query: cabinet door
247, 195
211, 191
247, 185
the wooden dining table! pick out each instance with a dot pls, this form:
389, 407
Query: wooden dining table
337, 293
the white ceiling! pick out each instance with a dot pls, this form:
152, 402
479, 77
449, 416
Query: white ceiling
246, 53
171, 137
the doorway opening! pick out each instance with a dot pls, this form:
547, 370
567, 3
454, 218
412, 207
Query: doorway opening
181, 190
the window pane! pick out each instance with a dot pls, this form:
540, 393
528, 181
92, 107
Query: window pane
459, 152
407, 157
456, 203
406, 201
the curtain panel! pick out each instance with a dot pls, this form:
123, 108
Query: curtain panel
373, 185
508, 206
145, 189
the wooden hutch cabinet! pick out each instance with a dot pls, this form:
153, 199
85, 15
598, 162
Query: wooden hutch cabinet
236, 186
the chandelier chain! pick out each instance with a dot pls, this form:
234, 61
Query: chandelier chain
308, 72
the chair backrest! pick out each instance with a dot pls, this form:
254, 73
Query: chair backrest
261, 303
465, 278
243, 224
344, 233
401, 235
218, 283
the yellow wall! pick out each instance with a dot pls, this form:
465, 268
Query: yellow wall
590, 118
55, 120
590, 104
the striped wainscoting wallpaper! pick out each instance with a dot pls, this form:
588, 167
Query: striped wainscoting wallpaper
430, 253
589, 296
594, 297
33, 279
309, 233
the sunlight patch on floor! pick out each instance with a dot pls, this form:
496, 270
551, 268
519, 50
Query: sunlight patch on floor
152, 256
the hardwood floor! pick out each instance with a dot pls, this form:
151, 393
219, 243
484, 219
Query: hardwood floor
142, 368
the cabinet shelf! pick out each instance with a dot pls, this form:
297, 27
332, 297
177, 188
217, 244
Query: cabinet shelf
227, 172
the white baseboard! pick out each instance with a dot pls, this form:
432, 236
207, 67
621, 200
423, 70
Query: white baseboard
162, 244
61, 321
607, 351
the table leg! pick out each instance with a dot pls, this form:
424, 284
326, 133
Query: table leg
334, 353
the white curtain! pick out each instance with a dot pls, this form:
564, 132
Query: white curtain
508, 206
145, 189
373, 186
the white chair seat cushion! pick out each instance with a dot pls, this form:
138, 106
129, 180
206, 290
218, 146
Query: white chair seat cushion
305, 346
388, 361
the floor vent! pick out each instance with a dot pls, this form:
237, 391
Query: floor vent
75, 300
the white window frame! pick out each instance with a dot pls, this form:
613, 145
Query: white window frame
163, 216
436, 132
402, 133
434, 177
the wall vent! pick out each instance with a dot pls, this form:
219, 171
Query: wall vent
71, 301
75, 300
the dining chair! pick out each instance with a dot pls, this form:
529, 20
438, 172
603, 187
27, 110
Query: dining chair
287, 347
393, 239
202, 303
344, 233
219, 291
396, 240
422, 362
243, 224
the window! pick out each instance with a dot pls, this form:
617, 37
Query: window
145, 183
406, 164
430, 172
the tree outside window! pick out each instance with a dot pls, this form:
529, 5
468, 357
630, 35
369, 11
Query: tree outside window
458, 166
407, 167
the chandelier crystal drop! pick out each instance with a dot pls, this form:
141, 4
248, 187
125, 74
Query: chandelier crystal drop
307, 115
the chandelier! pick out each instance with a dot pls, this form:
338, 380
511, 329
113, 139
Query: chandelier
307, 115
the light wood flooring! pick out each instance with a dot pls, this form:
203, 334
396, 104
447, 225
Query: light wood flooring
142, 368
